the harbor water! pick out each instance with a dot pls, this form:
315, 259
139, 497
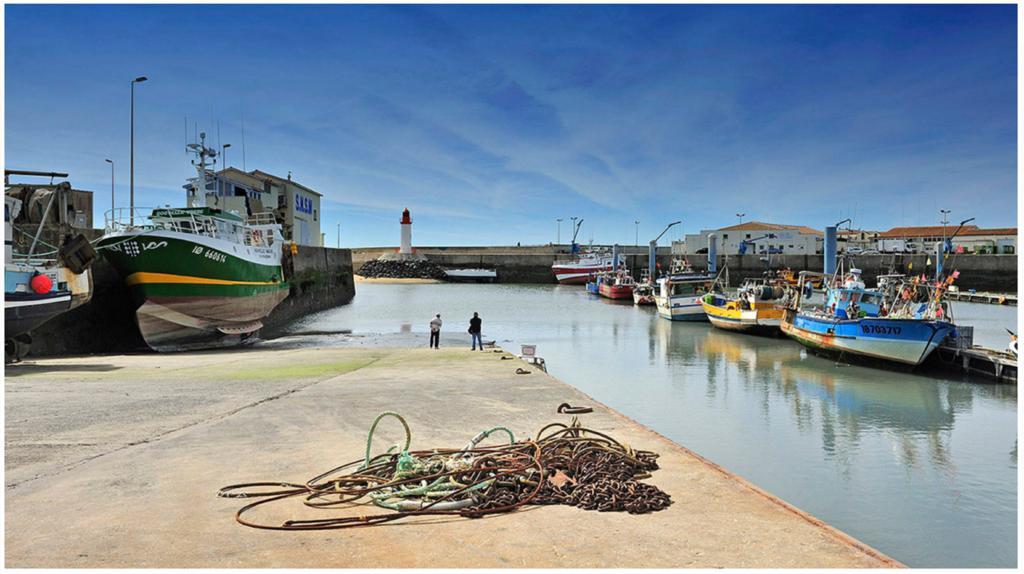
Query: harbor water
923, 468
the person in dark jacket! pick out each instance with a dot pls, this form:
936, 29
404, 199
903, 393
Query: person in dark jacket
474, 331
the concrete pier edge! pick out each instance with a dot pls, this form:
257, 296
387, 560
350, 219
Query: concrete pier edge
834, 532
771, 540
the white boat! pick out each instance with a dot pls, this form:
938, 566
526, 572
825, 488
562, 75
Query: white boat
472, 275
680, 292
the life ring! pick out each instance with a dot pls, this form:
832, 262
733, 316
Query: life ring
257, 237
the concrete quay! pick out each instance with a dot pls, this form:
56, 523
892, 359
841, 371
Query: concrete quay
115, 461
532, 264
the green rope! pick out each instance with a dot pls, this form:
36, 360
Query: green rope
373, 428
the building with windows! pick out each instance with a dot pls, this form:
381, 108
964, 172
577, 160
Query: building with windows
295, 206
856, 238
788, 239
971, 238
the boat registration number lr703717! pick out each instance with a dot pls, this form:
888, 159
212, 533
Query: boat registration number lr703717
210, 254
880, 329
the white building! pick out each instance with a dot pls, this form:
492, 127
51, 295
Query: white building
788, 239
295, 206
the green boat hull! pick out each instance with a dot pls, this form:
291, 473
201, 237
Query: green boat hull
196, 292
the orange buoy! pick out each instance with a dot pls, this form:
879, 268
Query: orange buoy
41, 283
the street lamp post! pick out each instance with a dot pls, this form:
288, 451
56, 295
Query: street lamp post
945, 221
111, 162
636, 236
740, 215
224, 154
339, 235
131, 160
558, 236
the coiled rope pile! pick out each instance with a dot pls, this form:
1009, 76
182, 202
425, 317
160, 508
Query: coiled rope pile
563, 464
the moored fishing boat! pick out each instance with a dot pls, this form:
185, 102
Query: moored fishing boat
617, 285
680, 292
903, 323
756, 308
203, 277
39, 283
584, 268
643, 292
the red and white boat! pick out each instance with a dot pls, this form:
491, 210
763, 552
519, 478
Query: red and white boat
617, 286
586, 266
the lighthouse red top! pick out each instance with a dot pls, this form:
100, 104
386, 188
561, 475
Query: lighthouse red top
406, 219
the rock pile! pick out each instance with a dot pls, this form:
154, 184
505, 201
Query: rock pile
420, 269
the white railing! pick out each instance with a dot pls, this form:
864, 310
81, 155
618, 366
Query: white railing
264, 218
170, 219
185, 221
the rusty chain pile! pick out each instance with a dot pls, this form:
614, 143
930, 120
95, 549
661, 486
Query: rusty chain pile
564, 464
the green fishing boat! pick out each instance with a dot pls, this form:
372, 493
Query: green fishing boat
202, 277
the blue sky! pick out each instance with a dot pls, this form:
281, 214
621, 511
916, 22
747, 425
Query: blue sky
489, 122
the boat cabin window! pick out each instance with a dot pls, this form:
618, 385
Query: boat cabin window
684, 289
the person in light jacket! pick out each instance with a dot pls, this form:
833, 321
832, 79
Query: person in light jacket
474, 331
435, 331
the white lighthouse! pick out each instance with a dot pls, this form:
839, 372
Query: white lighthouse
406, 248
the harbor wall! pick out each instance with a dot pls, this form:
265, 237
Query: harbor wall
320, 278
532, 264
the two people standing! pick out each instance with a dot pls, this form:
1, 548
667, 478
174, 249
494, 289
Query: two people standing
474, 331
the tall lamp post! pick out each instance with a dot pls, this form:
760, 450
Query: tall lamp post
112, 215
740, 215
131, 160
636, 235
945, 221
224, 154
558, 235
339, 235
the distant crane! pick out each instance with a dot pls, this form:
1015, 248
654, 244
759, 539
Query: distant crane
653, 249
577, 223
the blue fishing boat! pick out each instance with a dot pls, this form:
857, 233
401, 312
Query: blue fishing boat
902, 322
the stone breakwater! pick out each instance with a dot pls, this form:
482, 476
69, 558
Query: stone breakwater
398, 269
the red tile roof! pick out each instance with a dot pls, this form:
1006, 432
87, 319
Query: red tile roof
936, 230
760, 225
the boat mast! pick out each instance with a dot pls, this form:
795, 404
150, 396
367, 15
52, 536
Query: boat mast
202, 152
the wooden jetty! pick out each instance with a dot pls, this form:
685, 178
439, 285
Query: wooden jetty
983, 297
963, 355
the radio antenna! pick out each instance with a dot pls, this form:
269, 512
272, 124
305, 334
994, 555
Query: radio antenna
243, 140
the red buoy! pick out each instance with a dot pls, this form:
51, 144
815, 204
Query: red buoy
41, 283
